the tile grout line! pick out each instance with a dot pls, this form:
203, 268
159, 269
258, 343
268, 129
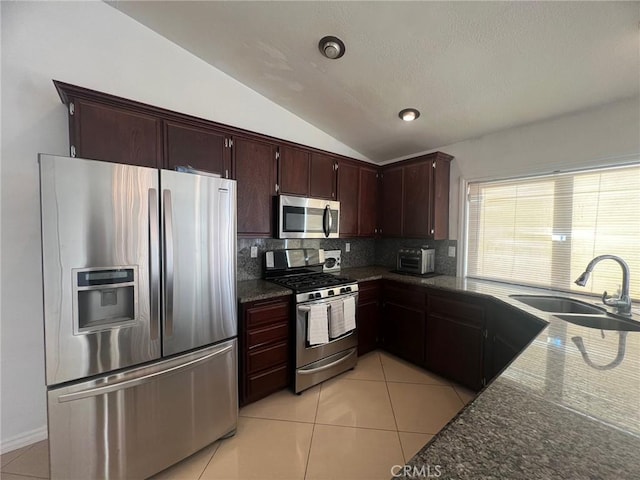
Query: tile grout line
2, 468
211, 458
313, 429
386, 384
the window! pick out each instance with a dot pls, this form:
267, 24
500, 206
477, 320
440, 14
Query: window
543, 231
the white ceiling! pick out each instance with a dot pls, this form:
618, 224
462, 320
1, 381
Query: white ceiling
471, 68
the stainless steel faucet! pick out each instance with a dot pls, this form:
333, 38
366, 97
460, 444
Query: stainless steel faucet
623, 302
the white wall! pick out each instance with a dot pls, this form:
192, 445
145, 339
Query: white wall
95, 46
605, 135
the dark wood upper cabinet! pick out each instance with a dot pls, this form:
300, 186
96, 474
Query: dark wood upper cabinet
200, 148
440, 197
113, 134
368, 202
255, 167
294, 171
415, 197
322, 181
416, 200
392, 210
348, 186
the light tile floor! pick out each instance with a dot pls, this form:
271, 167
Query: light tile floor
355, 426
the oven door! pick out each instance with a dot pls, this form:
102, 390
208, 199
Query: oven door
300, 217
305, 353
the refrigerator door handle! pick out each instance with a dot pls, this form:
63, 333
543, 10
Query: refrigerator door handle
168, 264
134, 382
154, 264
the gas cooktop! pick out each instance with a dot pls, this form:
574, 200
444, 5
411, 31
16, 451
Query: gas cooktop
310, 281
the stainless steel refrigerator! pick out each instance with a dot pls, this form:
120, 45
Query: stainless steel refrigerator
140, 315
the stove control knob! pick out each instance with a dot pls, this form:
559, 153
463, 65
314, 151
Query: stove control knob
330, 293
311, 296
348, 289
318, 295
343, 290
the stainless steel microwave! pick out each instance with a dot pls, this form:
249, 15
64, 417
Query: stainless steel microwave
301, 217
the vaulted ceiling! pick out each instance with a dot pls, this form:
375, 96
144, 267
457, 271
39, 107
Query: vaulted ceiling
471, 68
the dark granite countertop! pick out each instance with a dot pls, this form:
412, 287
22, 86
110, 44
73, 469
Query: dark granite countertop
252, 290
550, 414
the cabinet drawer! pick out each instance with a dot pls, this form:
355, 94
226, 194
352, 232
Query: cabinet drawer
407, 295
368, 291
461, 310
262, 358
268, 334
264, 383
269, 313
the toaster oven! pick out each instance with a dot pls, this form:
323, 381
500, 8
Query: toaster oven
416, 260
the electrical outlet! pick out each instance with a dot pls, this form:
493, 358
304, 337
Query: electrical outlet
254, 252
347, 247
452, 251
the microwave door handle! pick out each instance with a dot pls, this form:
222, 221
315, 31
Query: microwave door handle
327, 221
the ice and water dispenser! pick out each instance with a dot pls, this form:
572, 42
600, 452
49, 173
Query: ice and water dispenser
104, 298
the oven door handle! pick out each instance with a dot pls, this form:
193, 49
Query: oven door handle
327, 366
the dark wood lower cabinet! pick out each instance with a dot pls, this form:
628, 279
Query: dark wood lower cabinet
265, 348
455, 339
509, 331
403, 321
368, 315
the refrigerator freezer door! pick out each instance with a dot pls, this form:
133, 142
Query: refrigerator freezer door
98, 225
199, 260
138, 422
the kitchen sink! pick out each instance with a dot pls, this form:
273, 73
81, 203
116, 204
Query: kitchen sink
553, 304
601, 322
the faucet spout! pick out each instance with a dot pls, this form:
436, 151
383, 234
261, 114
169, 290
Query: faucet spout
622, 303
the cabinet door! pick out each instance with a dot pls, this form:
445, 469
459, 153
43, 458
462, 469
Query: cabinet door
368, 316
255, 168
294, 171
348, 185
455, 340
200, 148
403, 321
115, 134
509, 331
323, 177
416, 221
403, 331
368, 202
392, 202
439, 221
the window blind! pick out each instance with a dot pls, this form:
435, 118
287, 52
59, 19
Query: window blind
543, 231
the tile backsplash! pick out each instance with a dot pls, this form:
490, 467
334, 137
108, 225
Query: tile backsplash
387, 248
364, 252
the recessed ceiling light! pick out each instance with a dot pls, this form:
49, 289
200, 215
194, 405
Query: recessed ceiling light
409, 114
331, 47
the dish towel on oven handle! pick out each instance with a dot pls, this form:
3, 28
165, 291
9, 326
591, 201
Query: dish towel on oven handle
317, 324
343, 317
349, 305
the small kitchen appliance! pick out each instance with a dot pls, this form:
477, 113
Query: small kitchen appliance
331, 261
416, 260
301, 271
301, 217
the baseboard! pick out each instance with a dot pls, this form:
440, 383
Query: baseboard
23, 439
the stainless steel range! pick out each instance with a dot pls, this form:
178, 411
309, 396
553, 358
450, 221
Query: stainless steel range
326, 341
